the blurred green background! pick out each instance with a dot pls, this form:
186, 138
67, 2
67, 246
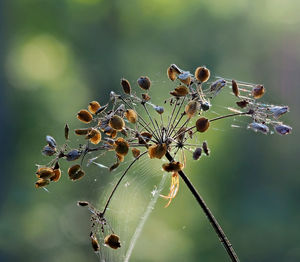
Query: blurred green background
56, 56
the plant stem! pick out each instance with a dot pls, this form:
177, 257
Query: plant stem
224, 240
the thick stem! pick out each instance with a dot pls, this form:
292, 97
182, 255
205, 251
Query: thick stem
224, 240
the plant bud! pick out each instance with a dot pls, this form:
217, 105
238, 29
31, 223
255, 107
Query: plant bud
121, 146
67, 129
95, 243
117, 123
235, 88
82, 203
126, 86
112, 241
202, 74
157, 151
57, 173
283, 129
172, 167
202, 124
172, 74
146, 97
84, 116
94, 107
191, 108
159, 109
73, 155
205, 148
131, 116
278, 111
51, 141
197, 153
144, 82
48, 150
258, 91
259, 127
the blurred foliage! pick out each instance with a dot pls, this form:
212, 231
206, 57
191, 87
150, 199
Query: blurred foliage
58, 55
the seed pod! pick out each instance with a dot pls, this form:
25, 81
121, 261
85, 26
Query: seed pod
197, 153
176, 69
82, 203
83, 131
144, 137
235, 88
172, 167
42, 183
135, 152
126, 86
73, 155
283, 129
185, 78
146, 97
95, 243
114, 166
75, 172
94, 107
202, 74
242, 103
51, 141
278, 111
112, 241
259, 127
101, 109
117, 123
57, 173
202, 124
44, 172
48, 150
67, 129
159, 109
144, 82
191, 108
120, 158
258, 91
217, 85
157, 151
131, 115
205, 106
94, 135
180, 91
172, 74
84, 116
205, 148
121, 146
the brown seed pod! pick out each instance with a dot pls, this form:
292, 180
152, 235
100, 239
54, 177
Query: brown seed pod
126, 86
185, 78
120, 157
144, 82
146, 97
82, 203
180, 91
42, 183
117, 123
57, 173
82, 131
112, 241
242, 103
121, 146
84, 116
172, 166
95, 136
258, 91
45, 172
157, 151
202, 124
202, 74
135, 152
94, 107
205, 148
95, 243
172, 74
235, 88
114, 166
67, 129
191, 108
131, 115
75, 172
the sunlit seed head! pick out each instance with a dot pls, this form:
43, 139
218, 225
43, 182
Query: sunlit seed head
157, 151
94, 107
82, 131
197, 153
258, 91
94, 136
202, 74
84, 116
112, 241
48, 150
202, 124
205, 148
146, 97
75, 172
45, 172
51, 141
180, 91
95, 244
126, 86
191, 108
144, 82
42, 183
121, 146
57, 175
242, 103
235, 88
283, 129
172, 166
135, 152
67, 129
131, 116
172, 74
73, 155
117, 123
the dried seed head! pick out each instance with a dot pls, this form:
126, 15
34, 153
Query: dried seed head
131, 116
95, 243
157, 151
82, 131
191, 108
172, 167
242, 103
146, 97
235, 88
121, 146
45, 172
172, 74
159, 109
112, 241
82, 203
205, 148
84, 116
144, 82
73, 155
180, 91
126, 86
67, 129
114, 166
42, 183
95, 136
258, 91
117, 123
278, 111
144, 137
135, 152
185, 78
48, 150
57, 173
94, 107
202, 124
197, 153
51, 141
283, 129
75, 172
202, 74
259, 127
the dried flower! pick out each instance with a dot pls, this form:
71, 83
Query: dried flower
112, 241
202, 74
84, 116
126, 86
144, 82
94, 107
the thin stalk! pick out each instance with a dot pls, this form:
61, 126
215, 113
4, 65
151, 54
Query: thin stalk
223, 238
